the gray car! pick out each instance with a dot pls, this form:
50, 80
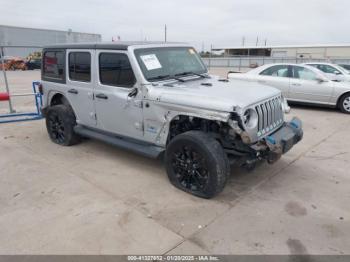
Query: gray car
301, 83
158, 100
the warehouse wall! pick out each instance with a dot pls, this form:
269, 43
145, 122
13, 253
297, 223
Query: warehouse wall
338, 52
12, 36
313, 52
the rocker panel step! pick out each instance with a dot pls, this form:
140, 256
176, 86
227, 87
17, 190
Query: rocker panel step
141, 148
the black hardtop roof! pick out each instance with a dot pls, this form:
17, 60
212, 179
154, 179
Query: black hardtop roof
108, 45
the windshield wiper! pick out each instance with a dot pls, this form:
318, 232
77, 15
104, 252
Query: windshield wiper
161, 77
178, 79
192, 73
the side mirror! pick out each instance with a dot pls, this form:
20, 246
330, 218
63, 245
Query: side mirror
337, 73
133, 92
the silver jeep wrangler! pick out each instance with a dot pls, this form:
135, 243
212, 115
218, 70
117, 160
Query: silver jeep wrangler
158, 100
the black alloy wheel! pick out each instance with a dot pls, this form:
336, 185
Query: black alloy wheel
190, 168
56, 128
60, 123
197, 163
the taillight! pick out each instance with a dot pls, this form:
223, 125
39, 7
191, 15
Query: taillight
40, 88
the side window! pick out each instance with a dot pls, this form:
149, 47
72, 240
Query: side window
303, 73
115, 70
279, 71
80, 66
53, 65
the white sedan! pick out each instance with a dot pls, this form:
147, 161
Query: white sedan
301, 83
334, 72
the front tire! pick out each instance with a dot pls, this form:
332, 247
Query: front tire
60, 122
344, 103
196, 163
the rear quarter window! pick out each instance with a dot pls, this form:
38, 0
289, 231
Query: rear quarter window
53, 68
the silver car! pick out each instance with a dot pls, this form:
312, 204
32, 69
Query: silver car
159, 100
301, 83
333, 71
345, 66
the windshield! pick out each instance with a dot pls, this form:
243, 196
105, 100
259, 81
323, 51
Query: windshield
169, 62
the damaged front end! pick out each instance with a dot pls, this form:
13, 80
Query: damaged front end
269, 148
264, 135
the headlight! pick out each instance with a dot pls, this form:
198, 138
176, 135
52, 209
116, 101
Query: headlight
250, 118
285, 106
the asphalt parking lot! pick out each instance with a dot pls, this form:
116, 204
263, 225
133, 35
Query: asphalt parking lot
96, 199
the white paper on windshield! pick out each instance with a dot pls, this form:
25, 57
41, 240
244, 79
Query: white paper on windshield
151, 62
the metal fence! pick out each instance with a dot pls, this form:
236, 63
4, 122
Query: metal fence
245, 62
21, 88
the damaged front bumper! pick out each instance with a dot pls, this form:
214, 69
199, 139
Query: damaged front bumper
281, 141
270, 148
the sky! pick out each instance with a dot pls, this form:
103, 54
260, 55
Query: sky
200, 22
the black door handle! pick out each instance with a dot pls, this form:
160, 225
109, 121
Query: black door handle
102, 96
73, 91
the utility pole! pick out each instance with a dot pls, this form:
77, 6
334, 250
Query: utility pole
265, 42
165, 33
257, 40
243, 41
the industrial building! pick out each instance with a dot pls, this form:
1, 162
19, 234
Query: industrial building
24, 38
325, 51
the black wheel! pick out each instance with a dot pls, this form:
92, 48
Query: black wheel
60, 122
344, 103
196, 163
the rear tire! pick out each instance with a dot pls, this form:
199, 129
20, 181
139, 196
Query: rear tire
60, 122
344, 103
196, 163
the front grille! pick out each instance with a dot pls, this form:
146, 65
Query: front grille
270, 115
